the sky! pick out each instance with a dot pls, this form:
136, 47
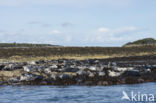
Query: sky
77, 22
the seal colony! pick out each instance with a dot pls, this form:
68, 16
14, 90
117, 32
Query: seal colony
79, 72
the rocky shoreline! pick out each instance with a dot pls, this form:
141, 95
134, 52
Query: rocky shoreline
79, 72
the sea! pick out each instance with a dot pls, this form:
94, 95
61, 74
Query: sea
135, 93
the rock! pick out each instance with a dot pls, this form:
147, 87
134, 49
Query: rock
2, 66
105, 83
88, 82
43, 83
41, 61
140, 80
101, 73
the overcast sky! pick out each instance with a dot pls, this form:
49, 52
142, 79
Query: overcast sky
77, 22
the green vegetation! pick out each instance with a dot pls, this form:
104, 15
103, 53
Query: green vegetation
28, 54
146, 41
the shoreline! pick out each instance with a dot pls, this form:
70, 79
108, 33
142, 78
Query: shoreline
96, 72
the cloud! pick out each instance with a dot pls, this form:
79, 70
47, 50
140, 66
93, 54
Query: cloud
68, 38
108, 31
67, 24
103, 30
74, 3
39, 23
115, 36
55, 32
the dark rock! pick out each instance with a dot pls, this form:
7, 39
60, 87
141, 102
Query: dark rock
2, 66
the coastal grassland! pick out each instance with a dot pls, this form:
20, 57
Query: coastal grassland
49, 53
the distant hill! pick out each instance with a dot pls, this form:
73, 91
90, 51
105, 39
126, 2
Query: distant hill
142, 42
25, 45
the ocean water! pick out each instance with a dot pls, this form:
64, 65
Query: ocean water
74, 94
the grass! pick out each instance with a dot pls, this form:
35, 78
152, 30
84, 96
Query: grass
37, 58
80, 53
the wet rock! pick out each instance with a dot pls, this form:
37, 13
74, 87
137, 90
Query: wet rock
105, 83
43, 83
88, 82
2, 66
41, 62
140, 80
